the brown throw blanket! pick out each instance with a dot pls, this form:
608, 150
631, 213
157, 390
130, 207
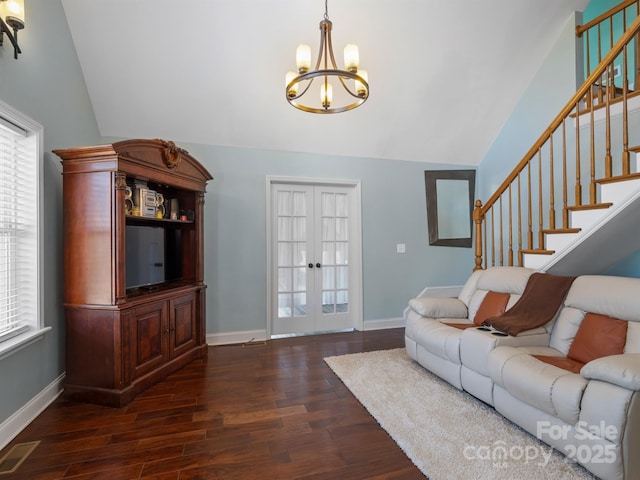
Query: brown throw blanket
541, 299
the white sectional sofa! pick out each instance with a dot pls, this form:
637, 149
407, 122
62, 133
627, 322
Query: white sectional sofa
573, 381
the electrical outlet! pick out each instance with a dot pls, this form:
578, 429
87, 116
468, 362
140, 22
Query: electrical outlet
401, 248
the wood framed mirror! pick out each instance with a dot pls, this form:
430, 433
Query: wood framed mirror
450, 195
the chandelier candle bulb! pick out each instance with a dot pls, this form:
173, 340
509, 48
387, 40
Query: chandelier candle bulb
351, 58
361, 90
13, 12
293, 91
326, 94
303, 58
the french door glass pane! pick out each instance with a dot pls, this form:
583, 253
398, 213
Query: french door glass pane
284, 203
284, 254
341, 229
299, 228
341, 205
300, 253
300, 279
342, 301
299, 304
284, 228
284, 305
328, 204
299, 204
328, 229
342, 280
284, 280
328, 253
342, 256
328, 302
328, 278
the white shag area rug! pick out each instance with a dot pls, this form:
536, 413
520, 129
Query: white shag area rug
447, 433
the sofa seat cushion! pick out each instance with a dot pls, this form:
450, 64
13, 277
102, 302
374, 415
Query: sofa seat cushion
546, 387
565, 363
598, 336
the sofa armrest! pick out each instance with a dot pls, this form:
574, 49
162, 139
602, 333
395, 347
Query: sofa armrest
438, 307
622, 370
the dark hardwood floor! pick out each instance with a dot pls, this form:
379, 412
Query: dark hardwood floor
266, 412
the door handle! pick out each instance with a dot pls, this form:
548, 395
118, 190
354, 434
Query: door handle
311, 265
318, 265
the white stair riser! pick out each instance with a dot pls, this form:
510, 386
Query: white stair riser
557, 241
535, 261
618, 191
585, 218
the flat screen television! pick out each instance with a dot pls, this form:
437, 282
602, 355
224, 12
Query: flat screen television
153, 255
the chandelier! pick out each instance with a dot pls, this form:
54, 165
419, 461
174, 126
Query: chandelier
354, 82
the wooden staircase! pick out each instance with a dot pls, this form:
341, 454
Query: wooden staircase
599, 235
572, 204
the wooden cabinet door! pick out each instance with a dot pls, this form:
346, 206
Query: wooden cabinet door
149, 334
183, 333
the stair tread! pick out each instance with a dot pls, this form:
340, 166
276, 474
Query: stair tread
561, 230
619, 178
538, 252
591, 206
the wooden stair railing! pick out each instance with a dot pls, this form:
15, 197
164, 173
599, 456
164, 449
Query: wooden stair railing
600, 34
525, 207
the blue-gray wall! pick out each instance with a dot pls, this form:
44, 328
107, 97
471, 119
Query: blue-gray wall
46, 84
550, 89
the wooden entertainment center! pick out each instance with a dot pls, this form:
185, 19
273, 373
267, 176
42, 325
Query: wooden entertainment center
126, 331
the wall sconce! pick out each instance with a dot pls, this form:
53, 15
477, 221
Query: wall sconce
11, 15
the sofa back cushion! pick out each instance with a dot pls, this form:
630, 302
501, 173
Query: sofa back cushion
493, 304
598, 336
615, 297
511, 280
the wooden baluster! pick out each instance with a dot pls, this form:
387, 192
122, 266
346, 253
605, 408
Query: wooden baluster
540, 209
486, 243
578, 186
552, 194
607, 157
519, 224
626, 159
529, 219
500, 234
592, 155
565, 180
510, 219
477, 220
493, 237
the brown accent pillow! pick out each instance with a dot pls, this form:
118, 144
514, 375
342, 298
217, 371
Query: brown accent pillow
598, 336
562, 362
493, 304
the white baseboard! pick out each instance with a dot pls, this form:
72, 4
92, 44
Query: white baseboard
17, 422
383, 324
229, 338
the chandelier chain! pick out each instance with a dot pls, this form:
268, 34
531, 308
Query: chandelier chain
326, 10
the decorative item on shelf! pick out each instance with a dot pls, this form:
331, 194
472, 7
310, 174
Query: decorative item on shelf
128, 201
173, 209
160, 210
11, 15
297, 84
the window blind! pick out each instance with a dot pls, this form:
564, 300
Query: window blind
18, 230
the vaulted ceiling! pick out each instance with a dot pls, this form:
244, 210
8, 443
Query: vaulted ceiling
444, 75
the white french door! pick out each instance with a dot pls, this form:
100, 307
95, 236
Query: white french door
314, 258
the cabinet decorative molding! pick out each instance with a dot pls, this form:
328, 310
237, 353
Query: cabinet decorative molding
134, 292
